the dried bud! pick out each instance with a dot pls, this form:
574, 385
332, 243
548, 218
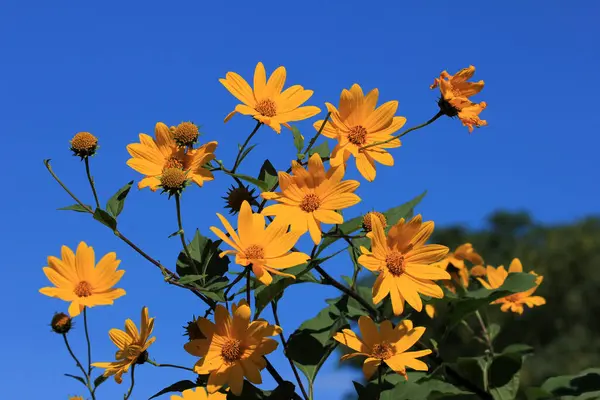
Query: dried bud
185, 134
236, 196
367, 226
61, 323
192, 330
84, 144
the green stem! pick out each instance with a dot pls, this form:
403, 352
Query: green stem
239, 155
314, 139
485, 332
169, 365
87, 339
89, 176
181, 234
380, 380
414, 128
87, 377
285, 346
132, 382
47, 164
248, 269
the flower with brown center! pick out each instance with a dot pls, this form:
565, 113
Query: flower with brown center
84, 144
78, 279
367, 220
233, 348
402, 261
266, 249
454, 263
186, 134
155, 157
61, 323
358, 123
517, 301
266, 102
385, 345
133, 346
310, 197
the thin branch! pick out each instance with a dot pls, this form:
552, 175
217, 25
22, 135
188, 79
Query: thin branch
239, 155
87, 339
91, 180
87, 377
132, 382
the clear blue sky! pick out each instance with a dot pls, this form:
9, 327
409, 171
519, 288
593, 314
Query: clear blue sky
116, 68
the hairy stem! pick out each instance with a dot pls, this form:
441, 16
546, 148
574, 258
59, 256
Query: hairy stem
485, 332
132, 382
91, 180
239, 155
87, 339
181, 233
314, 138
169, 366
87, 377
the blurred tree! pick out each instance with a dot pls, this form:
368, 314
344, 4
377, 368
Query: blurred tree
564, 332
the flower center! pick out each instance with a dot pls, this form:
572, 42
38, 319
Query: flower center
255, 252
173, 162
383, 351
231, 351
310, 203
368, 217
83, 289
266, 107
84, 141
186, 134
395, 263
172, 178
513, 298
357, 135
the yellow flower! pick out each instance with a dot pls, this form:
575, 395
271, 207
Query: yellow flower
132, 346
469, 115
266, 102
77, 278
233, 349
199, 393
75, 398
514, 302
430, 310
153, 157
310, 197
357, 124
268, 250
402, 260
460, 273
387, 345
455, 89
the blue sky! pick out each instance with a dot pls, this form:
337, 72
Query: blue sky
117, 68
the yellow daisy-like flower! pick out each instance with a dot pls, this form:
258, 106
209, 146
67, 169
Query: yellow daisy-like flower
77, 278
267, 249
514, 302
154, 157
233, 349
267, 102
132, 345
464, 252
310, 197
385, 345
199, 393
402, 261
357, 124
469, 115
455, 89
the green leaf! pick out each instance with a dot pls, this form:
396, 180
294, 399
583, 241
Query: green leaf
311, 344
246, 152
115, 204
100, 380
187, 279
77, 207
176, 387
425, 389
392, 215
206, 262
493, 331
257, 182
298, 139
80, 379
251, 392
105, 218
473, 300
268, 174
322, 150
585, 382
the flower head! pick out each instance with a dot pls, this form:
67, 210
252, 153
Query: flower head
454, 263
367, 227
402, 261
357, 124
236, 195
456, 92
61, 323
84, 144
185, 134
132, 344
386, 344
199, 393
267, 249
164, 163
192, 330
514, 302
266, 102
310, 197
77, 278
233, 349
